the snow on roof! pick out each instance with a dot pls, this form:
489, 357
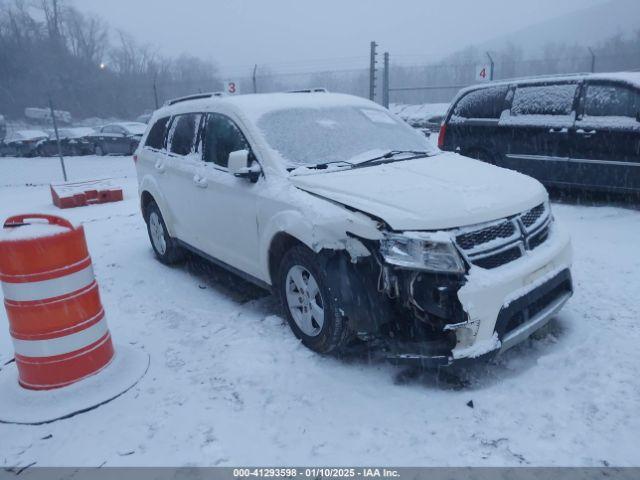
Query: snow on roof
257, 104
631, 78
75, 132
413, 113
26, 135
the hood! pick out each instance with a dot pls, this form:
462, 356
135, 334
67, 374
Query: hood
439, 192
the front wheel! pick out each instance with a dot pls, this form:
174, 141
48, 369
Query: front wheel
311, 308
166, 248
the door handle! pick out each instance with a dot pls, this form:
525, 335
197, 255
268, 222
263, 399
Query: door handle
586, 133
159, 166
200, 181
558, 130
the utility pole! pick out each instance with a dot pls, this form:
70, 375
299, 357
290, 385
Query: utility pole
593, 59
372, 71
385, 81
492, 65
55, 129
255, 84
155, 89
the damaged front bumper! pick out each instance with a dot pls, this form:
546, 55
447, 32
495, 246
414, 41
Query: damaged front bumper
503, 306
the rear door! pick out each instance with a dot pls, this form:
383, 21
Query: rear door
537, 127
606, 138
473, 127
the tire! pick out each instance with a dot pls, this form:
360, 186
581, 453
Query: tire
298, 276
166, 248
100, 151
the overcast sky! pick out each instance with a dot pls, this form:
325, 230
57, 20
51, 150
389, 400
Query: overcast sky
296, 34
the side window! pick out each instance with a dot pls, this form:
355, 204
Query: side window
611, 101
107, 129
221, 137
182, 136
483, 103
544, 99
155, 139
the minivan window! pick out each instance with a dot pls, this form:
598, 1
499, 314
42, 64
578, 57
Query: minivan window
483, 103
182, 137
611, 101
220, 137
544, 99
155, 139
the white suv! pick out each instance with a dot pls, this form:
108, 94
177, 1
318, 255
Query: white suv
361, 228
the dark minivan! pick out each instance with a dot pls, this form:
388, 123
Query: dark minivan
579, 131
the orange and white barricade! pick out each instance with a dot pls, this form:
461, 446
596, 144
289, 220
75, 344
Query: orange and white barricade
56, 319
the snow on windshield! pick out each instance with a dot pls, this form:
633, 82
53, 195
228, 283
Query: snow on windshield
308, 136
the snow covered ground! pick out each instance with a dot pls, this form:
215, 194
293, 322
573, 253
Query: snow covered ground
229, 384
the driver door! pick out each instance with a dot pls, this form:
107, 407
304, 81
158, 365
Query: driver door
228, 205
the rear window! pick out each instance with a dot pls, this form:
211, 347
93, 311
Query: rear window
483, 103
611, 101
544, 100
155, 139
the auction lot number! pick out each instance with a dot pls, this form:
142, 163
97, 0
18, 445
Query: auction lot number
313, 472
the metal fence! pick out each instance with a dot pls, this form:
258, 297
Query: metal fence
437, 83
399, 83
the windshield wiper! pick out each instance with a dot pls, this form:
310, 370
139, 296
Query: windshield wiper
392, 153
388, 156
321, 166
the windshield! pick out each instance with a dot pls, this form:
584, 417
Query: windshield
310, 136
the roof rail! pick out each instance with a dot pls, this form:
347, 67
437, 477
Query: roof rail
310, 90
195, 96
543, 76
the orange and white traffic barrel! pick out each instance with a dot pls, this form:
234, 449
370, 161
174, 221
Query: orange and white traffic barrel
56, 319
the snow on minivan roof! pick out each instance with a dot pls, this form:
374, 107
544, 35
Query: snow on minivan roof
631, 78
255, 105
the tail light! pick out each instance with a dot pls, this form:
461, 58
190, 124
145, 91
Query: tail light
443, 131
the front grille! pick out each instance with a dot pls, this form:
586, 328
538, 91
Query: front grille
471, 240
498, 259
498, 243
539, 238
531, 217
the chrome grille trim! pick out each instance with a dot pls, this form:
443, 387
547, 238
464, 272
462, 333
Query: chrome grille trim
527, 226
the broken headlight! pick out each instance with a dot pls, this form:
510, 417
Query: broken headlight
422, 251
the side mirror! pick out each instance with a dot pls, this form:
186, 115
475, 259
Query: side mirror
238, 165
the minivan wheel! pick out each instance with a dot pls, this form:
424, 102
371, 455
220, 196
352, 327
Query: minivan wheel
310, 306
166, 248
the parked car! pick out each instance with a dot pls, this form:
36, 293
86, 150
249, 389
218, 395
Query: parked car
426, 117
3, 128
571, 131
360, 227
118, 138
23, 143
73, 141
144, 118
